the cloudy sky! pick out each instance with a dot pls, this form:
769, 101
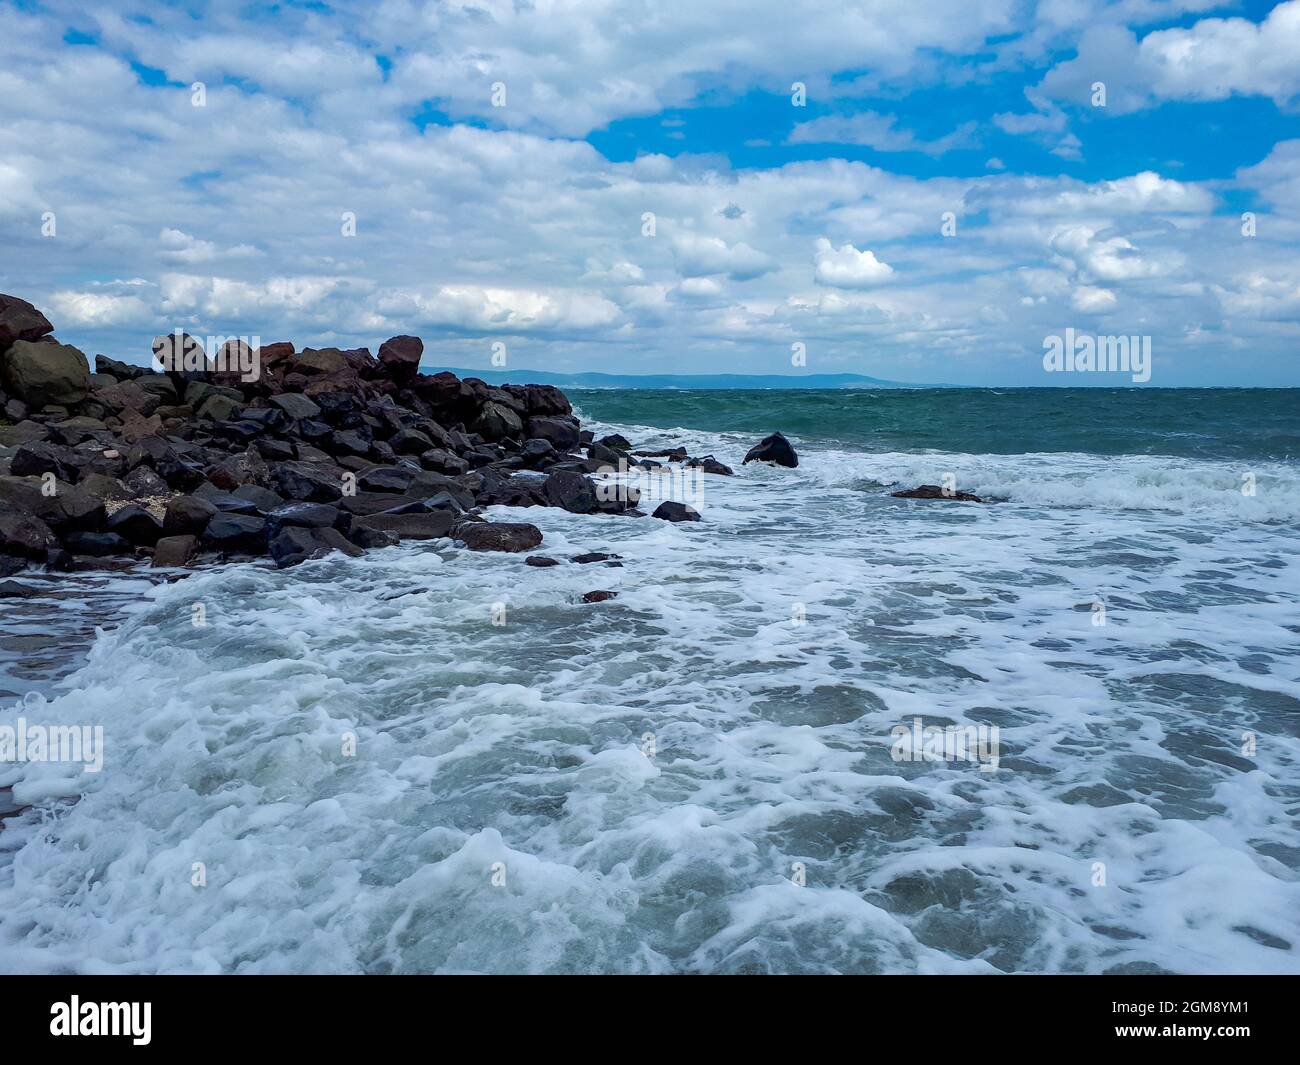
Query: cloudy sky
915, 191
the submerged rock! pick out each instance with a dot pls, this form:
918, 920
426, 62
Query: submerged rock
933, 491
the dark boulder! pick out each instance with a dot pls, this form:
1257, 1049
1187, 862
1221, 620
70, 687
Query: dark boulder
40, 373
19, 320
599, 597
775, 448
96, 545
669, 510
308, 516
297, 406
175, 551
308, 483
187, 515
387, 479
570, 491
711, 465
400, 358
440, 461
370, 538
562, 433
236, 532
499, 536
135, 525
25, 535
541, 561
425, 525
496, 421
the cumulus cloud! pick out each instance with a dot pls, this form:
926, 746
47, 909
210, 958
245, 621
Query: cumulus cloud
227, 218
1212, 59
846, 267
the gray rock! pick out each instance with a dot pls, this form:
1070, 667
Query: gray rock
41, 374
175, 551
499, 536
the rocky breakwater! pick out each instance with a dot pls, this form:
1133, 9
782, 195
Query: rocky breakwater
316, 450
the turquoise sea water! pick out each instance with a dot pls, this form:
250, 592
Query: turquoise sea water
1210, 423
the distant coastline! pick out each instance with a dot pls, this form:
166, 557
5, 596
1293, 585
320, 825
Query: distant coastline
584, 379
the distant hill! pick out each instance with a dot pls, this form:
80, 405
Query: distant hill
674, 381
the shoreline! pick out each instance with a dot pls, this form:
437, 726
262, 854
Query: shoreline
282, 453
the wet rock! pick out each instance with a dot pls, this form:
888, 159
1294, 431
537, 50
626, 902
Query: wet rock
711, 465
427, 525
236, 533
96, 545
371, 539
175, 551
594, 556
933, 491
670, 510
599, 597
499, 536
293, 545
308, 516
541, 561
776, 449
14, 590
25, 535
570, 491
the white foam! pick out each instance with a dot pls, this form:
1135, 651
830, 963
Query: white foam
502, 812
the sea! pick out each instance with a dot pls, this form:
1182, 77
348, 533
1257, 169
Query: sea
428, 760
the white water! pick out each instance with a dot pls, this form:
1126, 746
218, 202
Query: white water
518, 749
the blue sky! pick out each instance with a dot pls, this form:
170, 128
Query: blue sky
197, 167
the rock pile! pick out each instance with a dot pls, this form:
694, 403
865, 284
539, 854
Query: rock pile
322, 450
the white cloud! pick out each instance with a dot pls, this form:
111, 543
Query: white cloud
873, 130
95, 309
1212, 59
846, 267
701, 256
1088, 300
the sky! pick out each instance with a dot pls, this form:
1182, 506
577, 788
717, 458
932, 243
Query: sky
922, 192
